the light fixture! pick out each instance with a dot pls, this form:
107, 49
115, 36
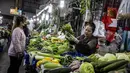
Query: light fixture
42, 10
34, 16
47, 16
34, 19
43, 16
1, 17
37, 19
50, 8
40, 21
62, 3
31, 20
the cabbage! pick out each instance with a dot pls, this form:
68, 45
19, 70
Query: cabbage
86, 68
122, 56
102, 59
110, 57
94, 57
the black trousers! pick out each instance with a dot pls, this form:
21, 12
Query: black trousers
14, 64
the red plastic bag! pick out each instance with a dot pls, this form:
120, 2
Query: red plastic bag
107, 21
110, 35
112, 12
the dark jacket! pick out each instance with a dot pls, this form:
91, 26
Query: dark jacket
86, 46
26, 31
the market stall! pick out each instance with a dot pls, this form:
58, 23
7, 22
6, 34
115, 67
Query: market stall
49, 51
54, 54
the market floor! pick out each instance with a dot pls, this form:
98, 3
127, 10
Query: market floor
4, 62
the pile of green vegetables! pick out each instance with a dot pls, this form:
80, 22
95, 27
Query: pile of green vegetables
53, 45
109, 62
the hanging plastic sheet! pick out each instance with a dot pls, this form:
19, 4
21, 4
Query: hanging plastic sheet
124, 8
124, 45
100, 29
128, 41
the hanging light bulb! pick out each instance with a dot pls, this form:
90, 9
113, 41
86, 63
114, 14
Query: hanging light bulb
37, 19
1, 17
62, 3
34, 19
31, 20
34, 16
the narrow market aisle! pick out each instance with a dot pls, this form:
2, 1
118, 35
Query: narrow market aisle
4, 62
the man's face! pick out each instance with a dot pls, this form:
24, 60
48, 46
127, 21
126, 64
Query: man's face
88, 31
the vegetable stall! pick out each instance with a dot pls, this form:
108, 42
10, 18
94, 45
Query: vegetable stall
54, 54
49, 51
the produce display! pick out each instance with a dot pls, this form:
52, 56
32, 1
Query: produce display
51, 56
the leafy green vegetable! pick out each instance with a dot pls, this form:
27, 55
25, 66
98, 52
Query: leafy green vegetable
86, 68
93, 57
110, 57
102, 59
31, 49
122, 56
67, 60
63, 48
36, 42
67, 28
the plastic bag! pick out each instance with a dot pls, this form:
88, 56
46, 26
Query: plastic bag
110, 35
124, 8
107, 21
100, 29
88, 16
112, 12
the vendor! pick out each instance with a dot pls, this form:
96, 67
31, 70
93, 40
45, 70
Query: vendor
86, 43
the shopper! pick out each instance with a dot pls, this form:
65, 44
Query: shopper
26, 31
17, 45
86, 43
9, 27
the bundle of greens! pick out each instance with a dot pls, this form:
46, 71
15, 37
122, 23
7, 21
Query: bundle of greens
67, 28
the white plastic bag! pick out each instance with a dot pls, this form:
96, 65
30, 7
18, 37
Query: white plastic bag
124, 8
100, 29
88, 16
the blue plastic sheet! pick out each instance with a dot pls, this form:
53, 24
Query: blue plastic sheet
73, 54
